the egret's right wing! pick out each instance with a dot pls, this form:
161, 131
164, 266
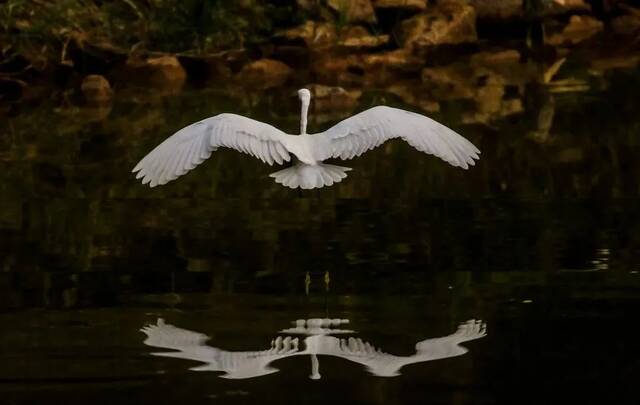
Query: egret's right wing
193, 144
371, 128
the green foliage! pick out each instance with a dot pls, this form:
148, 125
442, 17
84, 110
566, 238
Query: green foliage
201, 24
31, 20
342, 19
158, 25
205, 25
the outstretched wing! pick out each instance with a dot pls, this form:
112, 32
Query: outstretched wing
449, 346
193, 144
188, 344
386, 365
371, 128
192, 346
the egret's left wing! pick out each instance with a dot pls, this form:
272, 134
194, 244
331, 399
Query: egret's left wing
193, 144
371, 128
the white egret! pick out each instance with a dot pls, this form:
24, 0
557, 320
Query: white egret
349, 138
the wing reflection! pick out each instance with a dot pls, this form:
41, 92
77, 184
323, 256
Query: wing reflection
192, 346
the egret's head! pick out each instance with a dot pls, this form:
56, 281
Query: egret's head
304, 95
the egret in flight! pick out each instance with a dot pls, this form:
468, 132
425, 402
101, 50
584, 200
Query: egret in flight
349, 138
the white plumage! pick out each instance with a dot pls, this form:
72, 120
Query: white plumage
351, 137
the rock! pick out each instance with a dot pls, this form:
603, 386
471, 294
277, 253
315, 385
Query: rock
358, 37
306, 4
354, 10
167, 69
571, 5
473, 82
382, 68
508, 56
449, 22
489, 96
628, 24
399, 59
490, 101
450, 82
264, 74
164, 72
507, 107
406, 4
328, 98
511, 106
429, 106
407, 93
497, 9
505, 63
579, 29
344, 71
216, 66
600, 65
96, 90
316, 35
319, 37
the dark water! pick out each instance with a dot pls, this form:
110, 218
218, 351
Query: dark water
540, 241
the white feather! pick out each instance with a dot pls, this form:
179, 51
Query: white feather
191, 145
371, 128
351, 137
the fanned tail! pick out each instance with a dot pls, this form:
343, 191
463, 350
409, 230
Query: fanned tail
310, 176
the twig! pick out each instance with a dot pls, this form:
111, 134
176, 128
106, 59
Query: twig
134, 8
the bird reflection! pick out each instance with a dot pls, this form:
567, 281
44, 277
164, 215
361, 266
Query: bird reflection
318, 341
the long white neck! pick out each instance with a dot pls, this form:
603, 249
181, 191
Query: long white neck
303, 116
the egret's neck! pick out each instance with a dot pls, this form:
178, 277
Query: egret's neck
303, 117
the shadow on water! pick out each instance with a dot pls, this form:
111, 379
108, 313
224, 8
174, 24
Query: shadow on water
238, 365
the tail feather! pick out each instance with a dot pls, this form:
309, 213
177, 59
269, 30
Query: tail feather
310, 176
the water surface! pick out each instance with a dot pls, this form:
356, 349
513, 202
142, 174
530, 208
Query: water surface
540, 241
